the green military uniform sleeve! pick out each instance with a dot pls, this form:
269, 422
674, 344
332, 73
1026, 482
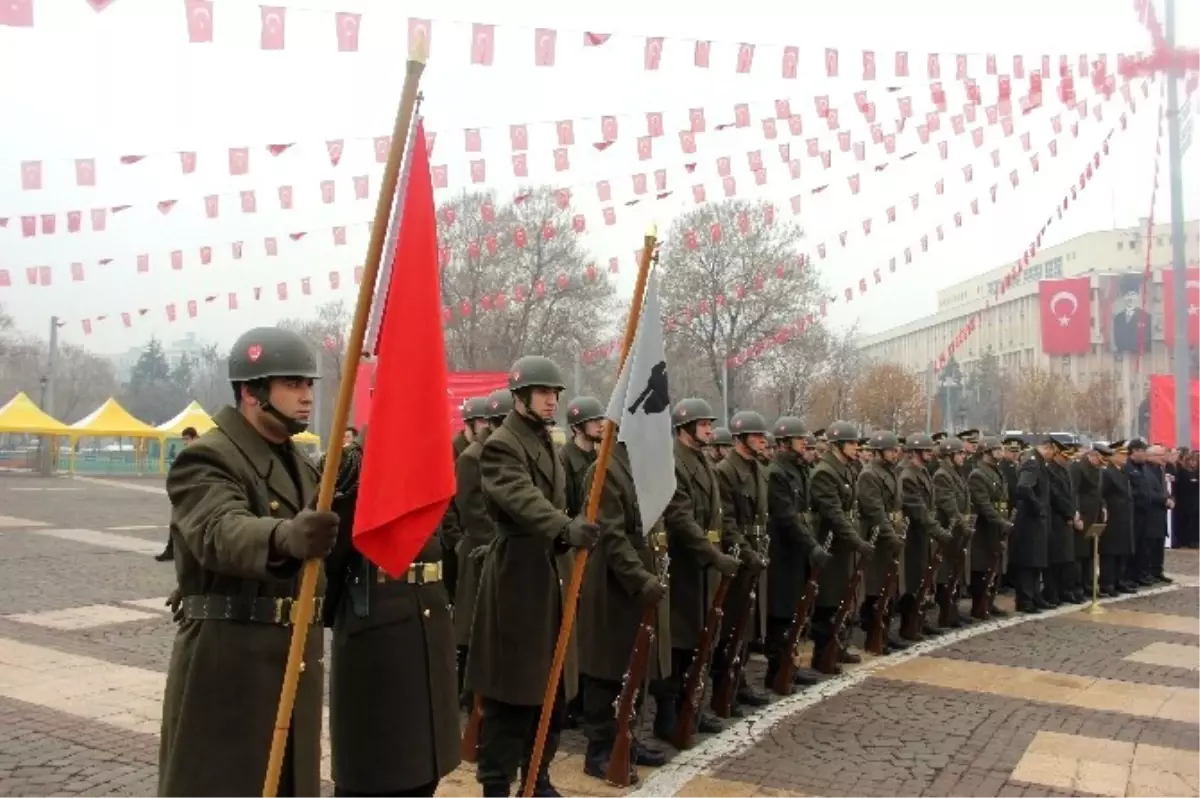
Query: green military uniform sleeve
914, 504
619, 555
981, 498
507, 484
871, 507
473, 519
783, 509
213, 515
945, 497
679, 519
731, 533
827, 502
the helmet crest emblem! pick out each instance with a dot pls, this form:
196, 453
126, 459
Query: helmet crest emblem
254, 352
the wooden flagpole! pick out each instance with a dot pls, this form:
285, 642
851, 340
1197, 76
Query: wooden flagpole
305, 606
593, 506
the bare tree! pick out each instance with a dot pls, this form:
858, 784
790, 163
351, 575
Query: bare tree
720, 259
831, 398
210, 379
888, 397
785, 377
1100, 406
516, 281
1043, 401
82, 382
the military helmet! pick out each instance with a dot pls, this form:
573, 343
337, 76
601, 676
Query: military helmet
747, 422
266, 352
841, 432
535, 371
689, 410
499, 404
583, 409
721, 437
950, 446
786, 427
919, 442
475, 407
882, 440
990, 443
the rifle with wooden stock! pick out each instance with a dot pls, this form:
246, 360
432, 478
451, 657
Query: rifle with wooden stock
911, 624
948, 612
833, 649
800, 622
468, 749
725, 688
877, 635
620, 762
981, 604
693, 692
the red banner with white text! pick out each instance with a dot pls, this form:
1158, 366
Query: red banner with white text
1191, 302
1162, 410
461, 386
1066, 313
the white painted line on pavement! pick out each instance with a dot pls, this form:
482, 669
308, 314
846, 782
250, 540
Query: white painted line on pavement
85, 687
114, 483
739, 738
156, 604
12, 522
136, 528
104, 540
29, 490
88, 617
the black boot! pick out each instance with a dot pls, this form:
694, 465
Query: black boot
166, 555
709, 724
665, 717
495, 789
596, 759
542, 788
646, 756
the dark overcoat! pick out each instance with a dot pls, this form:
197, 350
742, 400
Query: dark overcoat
916, 492
229, 490
832, 493
743, 487
477, 528
1085, 479
953, 504
527, 570
693, 524
789, 526
880, 504
576, 462
1028, 546
1117, 540
1061, 537
989, 501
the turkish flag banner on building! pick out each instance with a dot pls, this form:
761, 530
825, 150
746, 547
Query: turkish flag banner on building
1163, 410
1191, 302
1066, 313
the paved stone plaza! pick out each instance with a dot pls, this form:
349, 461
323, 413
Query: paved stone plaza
1060, 704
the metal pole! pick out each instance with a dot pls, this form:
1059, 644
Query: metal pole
49, 442
725, 392
1182, 370
931, 394
947, 424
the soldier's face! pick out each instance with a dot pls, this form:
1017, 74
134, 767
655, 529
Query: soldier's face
755, 443
718, 452
1119, 459
478, 425
292, 396
703, 431
968, 447
798, 446
926, 456
891, 456
543, 403
593, 430
959, 458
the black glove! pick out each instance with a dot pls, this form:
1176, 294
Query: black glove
478, 553
175, 602
726, 565
582, 533
818, 557
751, 558
940, 535
308, 536
865, 547
893, 545
653, 592
965, 529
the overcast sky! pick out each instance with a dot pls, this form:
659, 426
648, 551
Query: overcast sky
126, 82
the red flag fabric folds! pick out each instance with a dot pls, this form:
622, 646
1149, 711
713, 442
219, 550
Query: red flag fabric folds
408, 468
1066, 314
1191, 303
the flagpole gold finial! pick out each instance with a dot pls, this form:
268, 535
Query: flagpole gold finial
420, 48
652, 230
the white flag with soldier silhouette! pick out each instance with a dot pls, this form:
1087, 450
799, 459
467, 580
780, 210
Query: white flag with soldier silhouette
641, 404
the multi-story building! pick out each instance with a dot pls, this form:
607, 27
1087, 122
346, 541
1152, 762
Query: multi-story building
189, 345
1011, 325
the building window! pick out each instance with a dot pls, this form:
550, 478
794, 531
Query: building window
1120, 245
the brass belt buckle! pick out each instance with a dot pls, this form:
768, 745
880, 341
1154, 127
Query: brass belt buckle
279, 614
714, 536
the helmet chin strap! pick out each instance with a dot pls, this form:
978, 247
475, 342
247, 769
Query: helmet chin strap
294, 427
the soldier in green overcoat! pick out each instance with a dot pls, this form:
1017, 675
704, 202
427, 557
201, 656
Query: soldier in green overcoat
692, 522
720, 445
924, 534
522, 586
626, 574
832, 494
953, 505
742, 482
478, 529
989, 501
241, 532
450, 532
880, 505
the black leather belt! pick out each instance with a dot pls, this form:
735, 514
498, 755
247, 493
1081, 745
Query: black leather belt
274, 611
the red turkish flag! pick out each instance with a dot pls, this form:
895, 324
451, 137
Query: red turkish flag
99, 219
199, 20
483, 44
652, 57
745, 59
701, 56
1191, 302
346, 25
1066, 315
273, 18
362, 187
77, 272
205, 255
31, 175
831, 62
791, 57
543, 47
85, 172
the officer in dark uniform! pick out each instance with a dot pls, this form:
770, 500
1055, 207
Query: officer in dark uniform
793, 549
478, 528
742, 481
1059, 578
450, 531
392, 656
721, 444
924, 534
693, 525
880, 505
525, 574
585, 416
1013, 446
832, 493
1117, 542
1028, 545
242, 531
1085, 478
953, 505
989, 501
970, 439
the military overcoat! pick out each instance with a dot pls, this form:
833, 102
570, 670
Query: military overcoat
229, 490
1028, 546
1085, 479
832, 494
693, 524
789, 523
1061, 537
989, 501
743, 487
623, 562
953, 504
916, 491
478, 529
1118, 539
880, 504
527, 570
575, 463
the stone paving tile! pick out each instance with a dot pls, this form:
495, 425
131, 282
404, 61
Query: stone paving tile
1184, 602
1185, 562
876, 739
88, 505
1065, 646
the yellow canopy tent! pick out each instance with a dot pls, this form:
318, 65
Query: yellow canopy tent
22, 415
192, 416
307, 438
110, 420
